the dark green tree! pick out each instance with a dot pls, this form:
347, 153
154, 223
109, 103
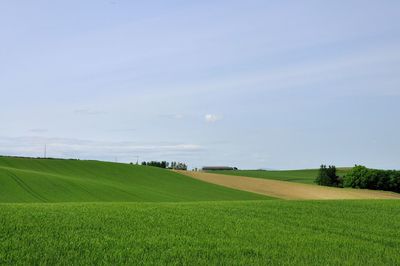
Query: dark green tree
327, 176
322, 178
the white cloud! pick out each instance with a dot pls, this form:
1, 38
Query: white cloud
212, 118
178, 116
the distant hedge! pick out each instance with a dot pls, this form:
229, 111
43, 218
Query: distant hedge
363, 177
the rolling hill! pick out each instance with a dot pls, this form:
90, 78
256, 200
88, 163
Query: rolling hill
56, 180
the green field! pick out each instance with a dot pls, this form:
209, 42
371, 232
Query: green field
38, 180
205, 233
72, 212
306, 176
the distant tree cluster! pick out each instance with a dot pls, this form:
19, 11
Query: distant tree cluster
327, 176
360, 177
178, 166
363, 177
165, 164
162, 164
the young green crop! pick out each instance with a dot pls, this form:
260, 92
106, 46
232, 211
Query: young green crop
207, 233
40, 180
112, 231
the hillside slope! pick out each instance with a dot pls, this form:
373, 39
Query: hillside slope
54, 180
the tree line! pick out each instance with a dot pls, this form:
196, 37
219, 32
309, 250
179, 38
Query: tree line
360, 177
165, 164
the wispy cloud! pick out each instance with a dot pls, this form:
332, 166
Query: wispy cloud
38, 130
88, 111
173, 116
302, 73
85, 149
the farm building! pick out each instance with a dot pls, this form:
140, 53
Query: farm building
216, 168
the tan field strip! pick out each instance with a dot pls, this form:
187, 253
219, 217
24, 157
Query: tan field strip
288, 190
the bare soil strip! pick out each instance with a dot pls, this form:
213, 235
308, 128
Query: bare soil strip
289, 190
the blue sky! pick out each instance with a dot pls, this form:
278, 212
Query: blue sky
253, 84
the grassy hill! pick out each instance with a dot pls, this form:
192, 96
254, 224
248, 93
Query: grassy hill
306, 176
270, 232
54, 180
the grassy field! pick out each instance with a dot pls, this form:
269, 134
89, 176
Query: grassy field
306, 176
38, 180
205, 233
87, 212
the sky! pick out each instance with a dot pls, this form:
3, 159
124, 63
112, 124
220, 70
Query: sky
251, 84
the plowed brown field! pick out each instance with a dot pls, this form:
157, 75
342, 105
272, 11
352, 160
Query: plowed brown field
288, 190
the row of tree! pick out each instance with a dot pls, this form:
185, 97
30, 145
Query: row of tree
363, 177
165, 164
360, 177
162, 164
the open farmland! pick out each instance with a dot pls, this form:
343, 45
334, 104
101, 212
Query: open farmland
87, 212
289, 190
39, 180
208, 233
125, 126
306, 176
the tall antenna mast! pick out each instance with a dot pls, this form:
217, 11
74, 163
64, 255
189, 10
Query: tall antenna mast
45, 151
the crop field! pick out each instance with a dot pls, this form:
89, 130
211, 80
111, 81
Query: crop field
289, 190
87, 212
306, 176
38, 180
207, 233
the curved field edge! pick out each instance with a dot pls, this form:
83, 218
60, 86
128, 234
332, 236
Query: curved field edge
305, 176
53, 180
207, 233
289, 190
